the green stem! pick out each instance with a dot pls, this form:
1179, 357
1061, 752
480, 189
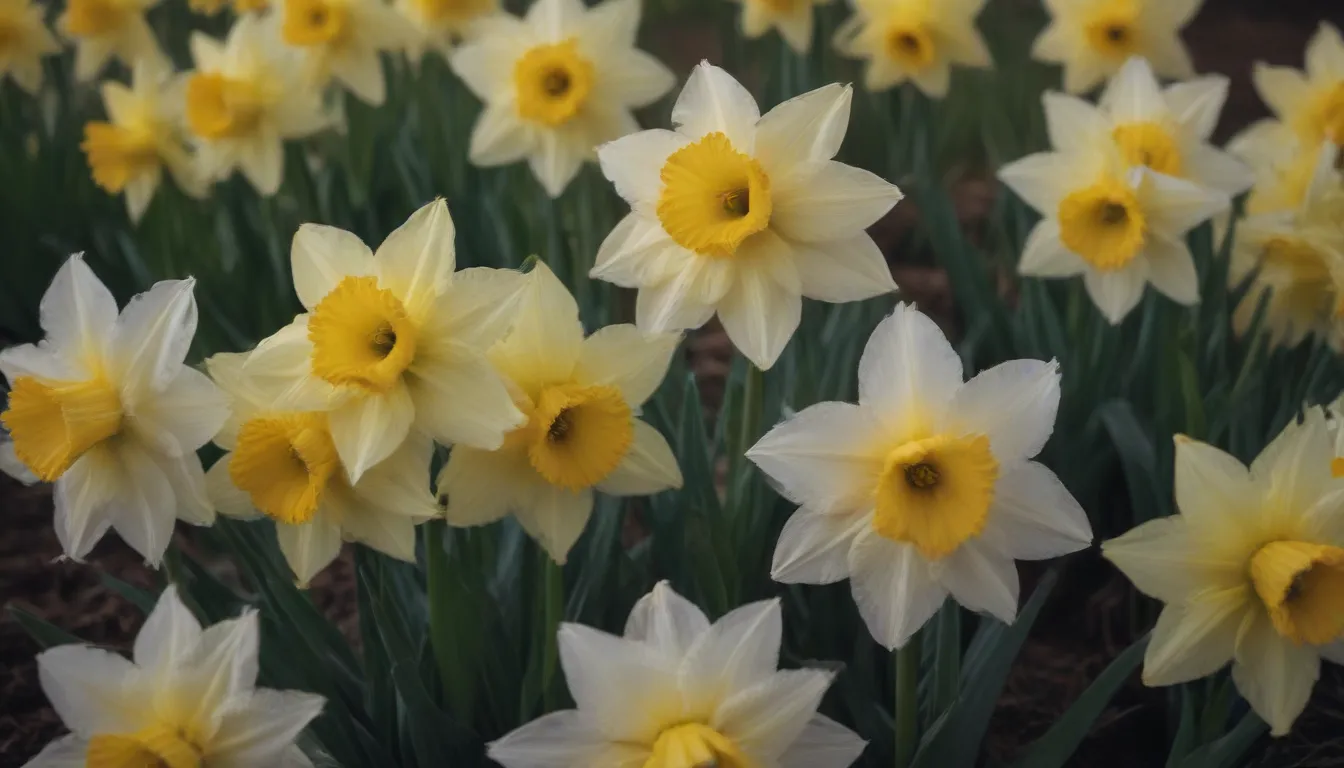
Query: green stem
751, 407
947, 672
441, 595
553, 606
907, 702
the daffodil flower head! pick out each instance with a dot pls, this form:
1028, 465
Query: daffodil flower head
342, 40
581, 398
926, 487
794, 19
678, 692
1251, 571
439, 25
24, 40
1308, 105
914, 40
105, 409
743, 214
556, 84
395, 341
1093, 39
282, 462
103, 30
243, 100
187, 698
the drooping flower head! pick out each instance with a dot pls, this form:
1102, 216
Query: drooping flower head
438, 25
743, 215
581, 397
1308, 106
1092, 39
678, 692
282, 463
105, 409
103, 30
556, 84
914, 40
794, 19
341, 40
142, 136
24, 40
187, 698
1251, 571
926, 487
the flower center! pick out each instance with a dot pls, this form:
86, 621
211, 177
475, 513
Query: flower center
713, 197
154, 747
1324, 118
285, 462
1112, 32
692, 745
314, 22
552, 82
118, 153
1302, 587
910, 45
1151, 145
361, 335
576, 435
94, 18
935, 493
1103, 224
220, 107
53, 424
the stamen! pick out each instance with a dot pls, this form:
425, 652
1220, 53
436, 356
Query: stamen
921, 475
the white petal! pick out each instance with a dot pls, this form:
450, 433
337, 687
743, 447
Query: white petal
649, 466
368, 429
795, 28
486, 63
479, 306
309, 547
77, 311
152, 335
183, 417
893, 588
1220, 170
1133, 94
1292, 463
547, 336
1213, 488
1274, 674
813, 547
638, 252
1283, 89
805, 128
838, 271
634, 78
185, 475
830, 201
712, 101
1013, 403
686, 300
43, 361
1045, 255
222, 667
826, 456
374, 527
553, 19
1197, 104
1116, 293
69, 751
500, 137
760, 315
1042, 179
908, 367
981, 578
616, 682
417, 260
460, 398
322, 256
739, 651
11, 465
556, 518
1175, 206
634, 163
145, 507
169, 634
262, 161
556, 162
1157, 557
362, 73
627, 358
81, 496
228, 499
480, 487
823, 742
1072, 123
263, 729
560, 738
1171, 269
765, 719
91, 689
399, 487
1034, 517
1325, 53
1195, 639
666, 621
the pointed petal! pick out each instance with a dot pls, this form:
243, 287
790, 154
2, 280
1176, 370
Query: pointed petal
649, 467
627, 358
69, 751
169, 634
322, 256
368, 429
1284, 89
1013, 403
1175, 206
264, 729
766, 718
813, 547
806, 128
228, 499
555, 162
81, 497
893, 588
417, 260
634, 163
595, 661
823, 742
907, 364
90, 689
1116, 293
547, 337
478, 487
852, 269
666, 621
830, 201
1292, 464
151, 337
713, 101
1275, 675
1034, 516
1196, 104
1157, 557
459, 398
500, 137
183, 417
145, 508
363, 522
309, 547
77, 312
558, 738
1045, 254
760, 315
827, 456
738, 651
1133, 94
478, 307
1072, 124
637, 79
1195, 639
981, 579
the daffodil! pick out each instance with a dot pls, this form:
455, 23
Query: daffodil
1308, 106
1092, 39
282, 463
140, 138
244, 99
400, 337
341, 40
915, 40
1295, 258
1251, 571
438, 25
926, 487
187, 697
103, 30
793, 18
743, 214
556, 84
211, 7
105, 409
1118, 225
580, 398
678, 692
24, 40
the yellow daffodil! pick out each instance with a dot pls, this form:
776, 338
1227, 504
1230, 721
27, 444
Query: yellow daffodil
677, 692
926, 487
341, 40
915, 40
24, 40
211, 7
105, 409
282, 462
140, 138
743, 214
188, 697
580, 398
1251, 571
103, 30
793, 19
243, 100
1297, 258
438, 25
401, 338
1308, 106
556, 84
1092, 39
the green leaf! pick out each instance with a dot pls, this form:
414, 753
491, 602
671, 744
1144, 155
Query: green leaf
46, 634
135, 595
1226, 751
1138, 457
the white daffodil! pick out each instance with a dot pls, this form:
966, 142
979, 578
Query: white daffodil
282, 463
743, 215
399, 335
677, 692
187, 698
794, 19
925, 487
580, 397
244, 99
556, 84
915, 40
24, 40
1092, 39
342, 40
105, 409
1308, 106
438, 25
1119, 226
140, 138
103, 30
1251, 570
